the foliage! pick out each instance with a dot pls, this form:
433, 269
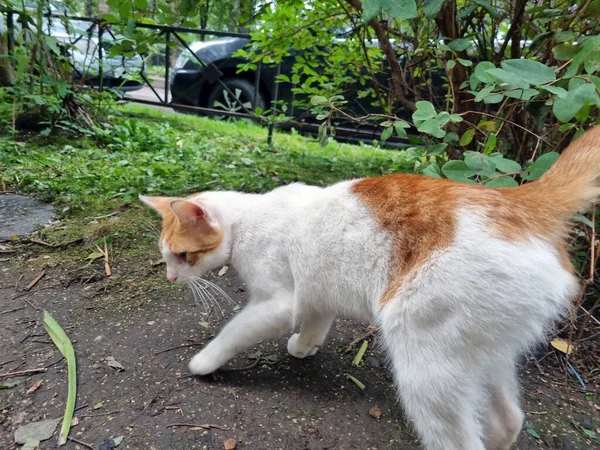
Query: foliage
513, 77
41, 80
146, 151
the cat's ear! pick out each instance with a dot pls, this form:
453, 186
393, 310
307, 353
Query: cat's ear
159, 204
190, 213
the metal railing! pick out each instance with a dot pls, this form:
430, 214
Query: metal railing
100, 28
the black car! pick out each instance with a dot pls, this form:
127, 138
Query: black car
218, 84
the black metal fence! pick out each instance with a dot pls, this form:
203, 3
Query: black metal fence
99, 29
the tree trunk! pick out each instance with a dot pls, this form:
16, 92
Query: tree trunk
449, 27
6, 73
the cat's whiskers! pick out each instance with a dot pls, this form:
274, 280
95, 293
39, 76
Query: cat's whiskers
197, 294
201, 286
218, 290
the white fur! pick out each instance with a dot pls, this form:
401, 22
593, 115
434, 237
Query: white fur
453, 332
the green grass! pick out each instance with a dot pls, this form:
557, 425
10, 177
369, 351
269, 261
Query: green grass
147, 151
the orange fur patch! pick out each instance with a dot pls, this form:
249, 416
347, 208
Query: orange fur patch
420, 213
195, 237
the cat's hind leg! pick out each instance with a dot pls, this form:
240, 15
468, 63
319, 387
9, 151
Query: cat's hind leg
441, 388
313, 331
503, 415
257, 321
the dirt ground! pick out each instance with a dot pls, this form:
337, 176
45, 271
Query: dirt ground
152, 329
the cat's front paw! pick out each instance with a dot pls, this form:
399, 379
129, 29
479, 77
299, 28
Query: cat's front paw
299, 351
203, 364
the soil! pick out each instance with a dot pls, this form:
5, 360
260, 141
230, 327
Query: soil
153, 329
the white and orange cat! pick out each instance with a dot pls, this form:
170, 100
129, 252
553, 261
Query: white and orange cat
460, 279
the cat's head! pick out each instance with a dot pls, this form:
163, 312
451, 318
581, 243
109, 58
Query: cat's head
192, 239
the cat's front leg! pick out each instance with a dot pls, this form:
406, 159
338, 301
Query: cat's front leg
313, 331
258, 321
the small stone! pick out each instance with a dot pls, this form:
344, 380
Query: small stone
587, 424
375, 413
230, 444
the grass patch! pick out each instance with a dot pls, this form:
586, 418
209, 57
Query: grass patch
94, 182
152, 152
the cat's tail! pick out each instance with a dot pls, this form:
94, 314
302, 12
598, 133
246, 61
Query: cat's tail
572, 184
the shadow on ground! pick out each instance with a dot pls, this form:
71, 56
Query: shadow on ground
153, 329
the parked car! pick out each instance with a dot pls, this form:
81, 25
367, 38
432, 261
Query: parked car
194, 84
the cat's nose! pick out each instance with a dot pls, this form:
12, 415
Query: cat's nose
171, 277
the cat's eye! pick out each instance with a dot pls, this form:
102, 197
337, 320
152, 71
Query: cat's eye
182, 256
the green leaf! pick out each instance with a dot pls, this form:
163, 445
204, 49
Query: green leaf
451, 64
387, 133
566, 108
555, 90
318, 100
493, 99
481, 72
431, 8
480, 163
591, 59
506, 165
529, 70
425, 110
63, 343
99, 405
539, 166
522, 94
467, 137
484, 92
456, 118
565, 52
124, 9
459, 45
494, 13
509, 78
465, 62
532, 432
458, 171
401, 127
581, 218
110, 18
575, 64
436, 149
490, 144
361, 352
141, 5
401, 9
501, 182
432, 170
564, 36
432, 127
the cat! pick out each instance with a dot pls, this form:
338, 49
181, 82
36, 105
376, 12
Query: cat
460, 279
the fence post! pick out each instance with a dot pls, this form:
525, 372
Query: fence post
167, 65
274, 105
100, 61
256, 85
10, 25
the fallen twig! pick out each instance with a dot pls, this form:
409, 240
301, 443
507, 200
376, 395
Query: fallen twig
205, 426
100, 414
77, 441
106, 263
12, 310
176, 347
370, 330
22, 372
51, 245
35, 280
32, 305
